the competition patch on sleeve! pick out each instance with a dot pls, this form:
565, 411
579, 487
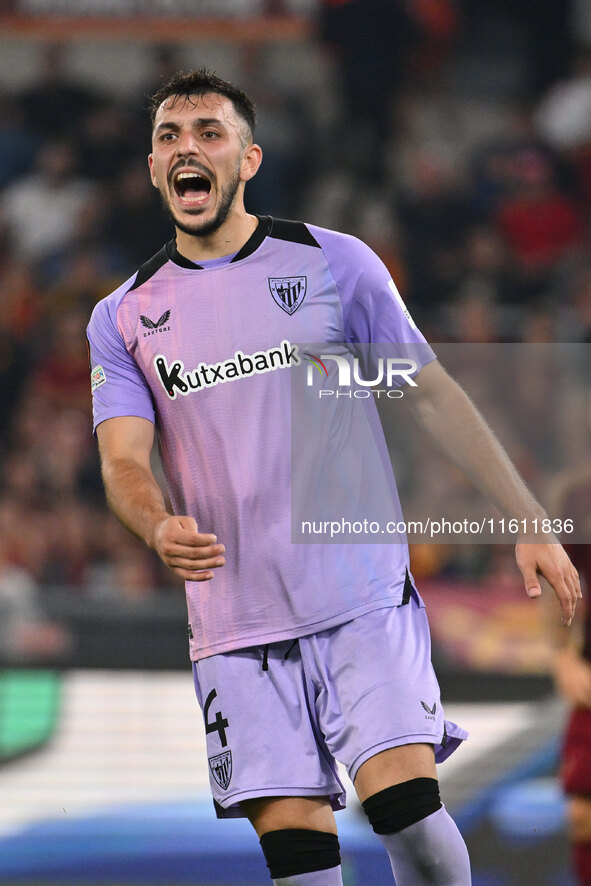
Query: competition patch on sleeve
97, 377
398, 298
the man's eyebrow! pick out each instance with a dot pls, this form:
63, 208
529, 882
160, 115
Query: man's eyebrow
210, 121
166, 124
200, 121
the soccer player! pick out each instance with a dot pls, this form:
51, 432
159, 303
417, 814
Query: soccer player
302, 654
572, 673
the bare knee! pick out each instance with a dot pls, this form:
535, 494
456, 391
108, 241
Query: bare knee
579, 816
393, 766
278, 813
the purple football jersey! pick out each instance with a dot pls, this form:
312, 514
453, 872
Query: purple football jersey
206, 353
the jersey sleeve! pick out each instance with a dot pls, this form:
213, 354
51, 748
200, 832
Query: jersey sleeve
118, 386
373, 310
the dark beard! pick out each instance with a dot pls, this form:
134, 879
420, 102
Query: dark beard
228, 196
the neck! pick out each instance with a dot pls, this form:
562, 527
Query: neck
230, 237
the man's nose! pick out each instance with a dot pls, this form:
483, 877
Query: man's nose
187, 143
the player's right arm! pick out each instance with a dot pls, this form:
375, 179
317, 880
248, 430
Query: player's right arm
124, 423
125, 445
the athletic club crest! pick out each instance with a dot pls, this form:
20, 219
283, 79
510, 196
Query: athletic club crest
288, 292
221, 768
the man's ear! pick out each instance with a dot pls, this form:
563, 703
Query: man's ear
151, 168
251, 161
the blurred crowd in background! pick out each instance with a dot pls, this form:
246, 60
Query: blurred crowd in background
453, 137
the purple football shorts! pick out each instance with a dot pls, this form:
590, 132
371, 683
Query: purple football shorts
277, 718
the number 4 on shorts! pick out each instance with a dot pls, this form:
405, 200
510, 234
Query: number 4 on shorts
220, 723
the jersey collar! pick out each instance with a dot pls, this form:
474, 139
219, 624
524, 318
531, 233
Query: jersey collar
254, 241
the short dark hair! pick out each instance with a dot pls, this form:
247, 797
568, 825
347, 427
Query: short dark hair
202, 82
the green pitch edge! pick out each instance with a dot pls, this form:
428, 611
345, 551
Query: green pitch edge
29, 709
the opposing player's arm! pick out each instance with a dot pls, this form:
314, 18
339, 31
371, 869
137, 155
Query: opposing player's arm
445, 411
125, 445
570, 669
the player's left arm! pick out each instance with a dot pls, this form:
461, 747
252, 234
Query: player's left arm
457, 428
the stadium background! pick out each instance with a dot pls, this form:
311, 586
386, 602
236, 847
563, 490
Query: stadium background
455, 138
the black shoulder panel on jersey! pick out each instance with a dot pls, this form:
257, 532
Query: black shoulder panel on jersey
180, 260
149, 268
293, 231
253, 242
256, 238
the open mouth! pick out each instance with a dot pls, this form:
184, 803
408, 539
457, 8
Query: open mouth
191, 187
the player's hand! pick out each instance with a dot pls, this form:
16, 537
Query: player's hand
550, 560
189, 553
572, 676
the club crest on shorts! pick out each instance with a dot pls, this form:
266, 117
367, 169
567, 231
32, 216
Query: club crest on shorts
221, 768
288, 292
